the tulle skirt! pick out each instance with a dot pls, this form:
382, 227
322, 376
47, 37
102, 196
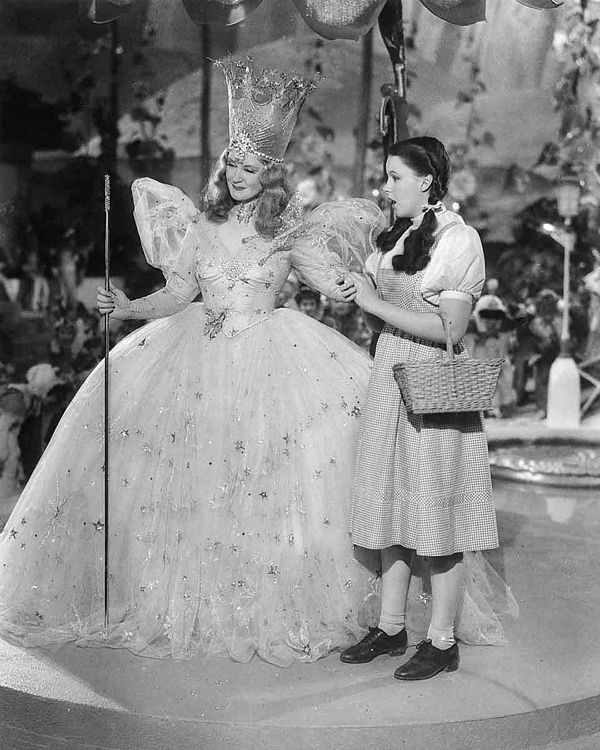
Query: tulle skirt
230, 469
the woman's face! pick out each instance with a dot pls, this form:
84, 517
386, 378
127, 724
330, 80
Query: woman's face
407, 190
243, 176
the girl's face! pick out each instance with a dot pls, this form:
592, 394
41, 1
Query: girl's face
407, 190
243, 176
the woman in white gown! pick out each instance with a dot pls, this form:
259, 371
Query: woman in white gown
233, 431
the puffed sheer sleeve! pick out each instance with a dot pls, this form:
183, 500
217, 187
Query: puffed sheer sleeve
334, 239
457, 267
166, 220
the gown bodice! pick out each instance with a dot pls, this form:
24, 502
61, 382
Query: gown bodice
240, 284
239, 279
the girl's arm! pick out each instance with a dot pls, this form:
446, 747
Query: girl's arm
424, 325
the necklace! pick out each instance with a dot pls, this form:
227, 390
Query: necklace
245, 211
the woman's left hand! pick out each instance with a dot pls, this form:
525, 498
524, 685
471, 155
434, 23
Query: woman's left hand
366, 293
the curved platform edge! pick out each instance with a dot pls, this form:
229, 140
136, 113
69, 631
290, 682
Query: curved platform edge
28, 722
499, 432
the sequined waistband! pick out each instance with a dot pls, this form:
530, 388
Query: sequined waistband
230, 322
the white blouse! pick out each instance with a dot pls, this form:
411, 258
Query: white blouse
457, 266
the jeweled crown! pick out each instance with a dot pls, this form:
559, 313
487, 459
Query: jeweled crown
263, 108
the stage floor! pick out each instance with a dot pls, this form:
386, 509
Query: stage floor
542, 690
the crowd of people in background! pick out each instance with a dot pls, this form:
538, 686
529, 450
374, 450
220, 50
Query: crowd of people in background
67, 337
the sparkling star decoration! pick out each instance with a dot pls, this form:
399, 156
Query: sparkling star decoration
333, 355
124, 433
23, 521
263, 494
13, 533
318, 473
125, 482
355, 411
332, 461
98, 525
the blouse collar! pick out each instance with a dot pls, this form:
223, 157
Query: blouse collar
437, 207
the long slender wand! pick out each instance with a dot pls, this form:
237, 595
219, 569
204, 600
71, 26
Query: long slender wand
106, 388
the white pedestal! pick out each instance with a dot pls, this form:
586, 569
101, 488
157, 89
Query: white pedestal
564, 394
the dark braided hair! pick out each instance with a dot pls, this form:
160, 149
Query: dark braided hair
425, 156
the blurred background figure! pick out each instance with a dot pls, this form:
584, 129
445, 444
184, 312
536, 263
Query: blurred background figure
309, 302
491, 335
348, 320
545, 328
286, 297
34, 289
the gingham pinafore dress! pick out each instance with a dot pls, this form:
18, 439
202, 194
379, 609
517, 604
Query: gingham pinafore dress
422, 481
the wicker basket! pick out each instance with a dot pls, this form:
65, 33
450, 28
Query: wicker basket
446, 383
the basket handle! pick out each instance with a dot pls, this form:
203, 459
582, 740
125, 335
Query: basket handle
448, 335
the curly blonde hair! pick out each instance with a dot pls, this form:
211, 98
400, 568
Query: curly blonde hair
216, 200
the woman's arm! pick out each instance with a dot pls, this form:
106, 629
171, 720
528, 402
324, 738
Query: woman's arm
424, 325
172, 298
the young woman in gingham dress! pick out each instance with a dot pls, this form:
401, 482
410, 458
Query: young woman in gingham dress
422, 482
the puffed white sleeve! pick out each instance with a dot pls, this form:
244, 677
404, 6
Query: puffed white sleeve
457, 267
336, 238
166, 220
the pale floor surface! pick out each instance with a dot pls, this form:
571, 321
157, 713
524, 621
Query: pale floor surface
542, 690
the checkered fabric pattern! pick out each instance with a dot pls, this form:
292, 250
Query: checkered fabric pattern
422, 481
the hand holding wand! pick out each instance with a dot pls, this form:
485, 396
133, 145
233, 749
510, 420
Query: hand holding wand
106, 389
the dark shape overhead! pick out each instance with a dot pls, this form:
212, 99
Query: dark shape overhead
331, 19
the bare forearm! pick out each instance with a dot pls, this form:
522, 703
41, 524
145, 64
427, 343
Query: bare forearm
424, 325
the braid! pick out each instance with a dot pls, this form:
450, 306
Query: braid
425, 156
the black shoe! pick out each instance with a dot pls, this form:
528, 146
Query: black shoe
428, 661
375, 643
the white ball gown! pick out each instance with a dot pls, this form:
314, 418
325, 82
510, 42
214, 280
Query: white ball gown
233, 430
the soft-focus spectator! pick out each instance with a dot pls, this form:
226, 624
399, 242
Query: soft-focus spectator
9, 314
34, 289
349, 321
545, 327
309, 303
490, 337
492, 286
286, 295
524, 349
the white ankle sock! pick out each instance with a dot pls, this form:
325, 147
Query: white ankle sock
442, 638
391, 622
